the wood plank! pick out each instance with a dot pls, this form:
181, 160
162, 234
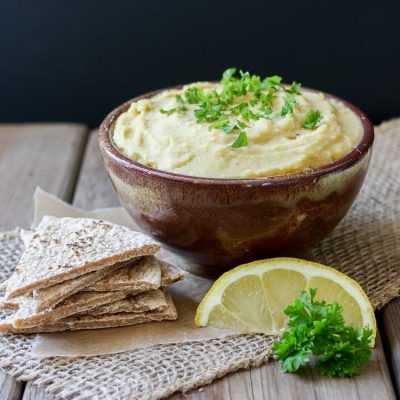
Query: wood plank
266, 382
235, 386
10, 388
47, 155
391, 338
373, 380
94, 188
33, 392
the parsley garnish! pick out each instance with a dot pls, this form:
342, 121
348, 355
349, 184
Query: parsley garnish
270, 82
168, 112
313, 118
318, 329
294, 89
288, 105
221, 111
194, 95
180, 102
240, 141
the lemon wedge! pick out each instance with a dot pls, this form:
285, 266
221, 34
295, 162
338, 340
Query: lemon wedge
252, 297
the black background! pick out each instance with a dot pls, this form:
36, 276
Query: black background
75, 60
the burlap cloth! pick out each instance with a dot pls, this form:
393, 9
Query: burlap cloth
366, 246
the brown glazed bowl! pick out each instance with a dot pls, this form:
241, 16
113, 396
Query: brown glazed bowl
220, 223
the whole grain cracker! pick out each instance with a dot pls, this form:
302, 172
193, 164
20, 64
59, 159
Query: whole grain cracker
9, 304
97, 321
26, 235
52, 295
63, 248
144, 275
77, 303
146, 301
170, 274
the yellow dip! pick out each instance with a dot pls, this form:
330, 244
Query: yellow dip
278, 145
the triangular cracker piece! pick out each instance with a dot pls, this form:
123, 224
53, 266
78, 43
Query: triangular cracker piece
77, 303
52, 295
142, 302
97, 321
170, 274
9, 304
144, 275
64, 248
26, 235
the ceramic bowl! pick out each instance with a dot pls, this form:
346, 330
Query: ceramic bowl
223, 222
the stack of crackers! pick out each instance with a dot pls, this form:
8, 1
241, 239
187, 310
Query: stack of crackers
81, 273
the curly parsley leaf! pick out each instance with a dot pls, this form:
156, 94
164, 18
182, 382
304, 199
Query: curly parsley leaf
318, 329
313, 118
346, 356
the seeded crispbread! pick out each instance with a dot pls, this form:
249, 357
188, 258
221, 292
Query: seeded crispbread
9, 304
133, 277
144, 275
170, 274
52, 295
97, 321
146, 301
64, 248
26, 235
77, 303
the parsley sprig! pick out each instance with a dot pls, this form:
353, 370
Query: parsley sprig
313, 118
317, 329
243, 98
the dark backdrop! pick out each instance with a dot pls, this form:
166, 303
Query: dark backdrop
75, 60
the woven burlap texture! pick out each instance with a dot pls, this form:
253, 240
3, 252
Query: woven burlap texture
366, 246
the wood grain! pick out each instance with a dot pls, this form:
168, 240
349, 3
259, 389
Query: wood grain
94, 189
47, 155
33, 392
391, 334
10, 388
266, 382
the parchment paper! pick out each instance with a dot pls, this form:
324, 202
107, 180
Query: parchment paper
186, 295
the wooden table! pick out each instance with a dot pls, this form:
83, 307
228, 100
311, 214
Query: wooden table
64, 159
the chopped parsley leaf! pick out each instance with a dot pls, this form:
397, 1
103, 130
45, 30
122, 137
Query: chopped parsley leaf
288, 105
240, 141
168, 112
313, 118
243, 97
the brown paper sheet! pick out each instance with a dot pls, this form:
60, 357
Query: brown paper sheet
186, 295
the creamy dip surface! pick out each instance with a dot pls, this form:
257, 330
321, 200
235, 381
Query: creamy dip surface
277, 145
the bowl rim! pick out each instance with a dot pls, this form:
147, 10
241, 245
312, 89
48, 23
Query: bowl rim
340, 164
